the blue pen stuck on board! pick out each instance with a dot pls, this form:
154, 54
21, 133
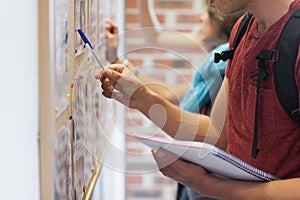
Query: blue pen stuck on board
87, 42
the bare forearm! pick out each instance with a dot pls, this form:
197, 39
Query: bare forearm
190, 126
119, 83
174, 94
210, 185
177, 123
282, 189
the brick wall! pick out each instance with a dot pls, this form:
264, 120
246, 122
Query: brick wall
144, 182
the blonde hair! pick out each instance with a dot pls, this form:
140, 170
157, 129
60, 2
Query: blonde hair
225, 22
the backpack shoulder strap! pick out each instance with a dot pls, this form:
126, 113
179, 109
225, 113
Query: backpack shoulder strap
284, 76
225, 55
241, 30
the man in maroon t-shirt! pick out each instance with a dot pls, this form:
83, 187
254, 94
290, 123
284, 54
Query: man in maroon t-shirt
279, 138
279, 135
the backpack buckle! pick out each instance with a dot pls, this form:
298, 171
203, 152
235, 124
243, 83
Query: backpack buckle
275, 56
295, 114
224, 56
268, 55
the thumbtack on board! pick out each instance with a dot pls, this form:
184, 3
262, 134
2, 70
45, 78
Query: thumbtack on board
87, 42
84, 189
69, 96
56, 109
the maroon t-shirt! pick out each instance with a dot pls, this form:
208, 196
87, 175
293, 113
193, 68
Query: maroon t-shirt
278, 135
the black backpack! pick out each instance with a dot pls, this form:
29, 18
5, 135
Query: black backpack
284, 58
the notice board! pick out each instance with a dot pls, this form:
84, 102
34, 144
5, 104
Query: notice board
83, 117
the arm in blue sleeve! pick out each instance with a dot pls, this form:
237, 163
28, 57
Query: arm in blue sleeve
206, 83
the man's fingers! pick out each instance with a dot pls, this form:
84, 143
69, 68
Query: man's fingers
106, 94
109, 79
170, 165
111, 27
164, 158
173, 167
107, 86
112, 75
98, 75
114, 95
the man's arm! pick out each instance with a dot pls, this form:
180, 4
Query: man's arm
178, 123
173, 94
219, 117
209, 185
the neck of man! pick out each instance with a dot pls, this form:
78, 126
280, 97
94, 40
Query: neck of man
268, 12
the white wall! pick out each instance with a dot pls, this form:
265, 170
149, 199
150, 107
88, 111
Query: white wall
19, 170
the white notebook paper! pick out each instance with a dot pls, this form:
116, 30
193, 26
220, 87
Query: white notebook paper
209, 157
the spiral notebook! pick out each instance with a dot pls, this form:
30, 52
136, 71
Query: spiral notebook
209, 157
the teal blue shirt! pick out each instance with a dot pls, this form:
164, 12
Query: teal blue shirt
206, 82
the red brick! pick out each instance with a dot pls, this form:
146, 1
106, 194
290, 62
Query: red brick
187, 19
165, 63
133, 179
131, 3
161, 18
132, 18
174, 4
136, 62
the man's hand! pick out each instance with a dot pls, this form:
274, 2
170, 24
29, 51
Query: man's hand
112, 40
119, 83
183, 172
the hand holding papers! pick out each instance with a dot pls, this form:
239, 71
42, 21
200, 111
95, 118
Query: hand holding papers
210, 157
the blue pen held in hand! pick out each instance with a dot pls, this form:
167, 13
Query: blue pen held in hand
87, 42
